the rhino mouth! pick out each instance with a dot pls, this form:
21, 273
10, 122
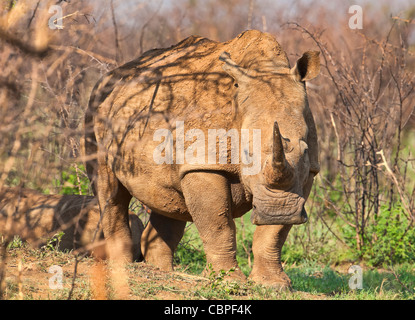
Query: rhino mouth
260, 218
278, 208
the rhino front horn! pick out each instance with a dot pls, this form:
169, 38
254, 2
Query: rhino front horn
279, 171
278, 156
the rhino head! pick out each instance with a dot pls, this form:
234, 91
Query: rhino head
274, 99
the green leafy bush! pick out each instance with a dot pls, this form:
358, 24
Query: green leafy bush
73, 180
189, 255
389, 238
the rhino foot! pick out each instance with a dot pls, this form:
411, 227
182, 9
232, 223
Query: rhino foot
280, 281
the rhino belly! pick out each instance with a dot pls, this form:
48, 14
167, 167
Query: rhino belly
158, 193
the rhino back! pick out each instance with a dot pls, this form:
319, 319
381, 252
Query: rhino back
186, 83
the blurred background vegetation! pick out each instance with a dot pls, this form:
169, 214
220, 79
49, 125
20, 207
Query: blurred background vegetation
362, 205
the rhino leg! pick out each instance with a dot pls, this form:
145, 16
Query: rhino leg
267, 246
208, 199
114, 200
160, 239
137, 229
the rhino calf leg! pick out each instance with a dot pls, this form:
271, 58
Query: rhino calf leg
160, 239
114, 200
208, 200
267, 246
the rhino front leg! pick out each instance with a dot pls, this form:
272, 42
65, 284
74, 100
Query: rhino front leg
160, 239
267, 246
208, 199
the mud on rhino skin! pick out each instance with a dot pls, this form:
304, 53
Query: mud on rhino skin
165, 103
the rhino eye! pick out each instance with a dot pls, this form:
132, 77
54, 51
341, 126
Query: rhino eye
287, 147
303, 147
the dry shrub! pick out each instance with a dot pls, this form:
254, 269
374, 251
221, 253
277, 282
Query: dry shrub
366, 97
362, 102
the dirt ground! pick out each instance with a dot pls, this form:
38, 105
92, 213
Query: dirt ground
30, 277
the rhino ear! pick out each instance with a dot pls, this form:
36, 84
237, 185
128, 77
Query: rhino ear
231, 68
307, 67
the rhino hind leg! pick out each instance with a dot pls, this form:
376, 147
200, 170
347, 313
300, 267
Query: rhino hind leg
114, 200
160, 239
137, 229
267, 246
208, 199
